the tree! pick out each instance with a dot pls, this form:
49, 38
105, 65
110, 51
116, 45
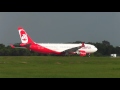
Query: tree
106, 43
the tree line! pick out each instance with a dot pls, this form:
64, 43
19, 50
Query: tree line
104, 49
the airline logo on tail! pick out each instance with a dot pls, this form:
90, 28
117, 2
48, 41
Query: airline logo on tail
23, 36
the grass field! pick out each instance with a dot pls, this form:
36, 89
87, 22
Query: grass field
59, 67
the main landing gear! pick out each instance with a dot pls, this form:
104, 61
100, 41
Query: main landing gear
88, 54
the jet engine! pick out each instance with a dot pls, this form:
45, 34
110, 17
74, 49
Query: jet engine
81, 53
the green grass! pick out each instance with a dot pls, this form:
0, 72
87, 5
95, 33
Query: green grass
59, 67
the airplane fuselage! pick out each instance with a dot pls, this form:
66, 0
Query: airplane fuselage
57, 48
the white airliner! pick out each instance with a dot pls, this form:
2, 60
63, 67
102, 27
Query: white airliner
54, 48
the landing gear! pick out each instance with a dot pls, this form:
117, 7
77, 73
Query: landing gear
88, 54
66, 53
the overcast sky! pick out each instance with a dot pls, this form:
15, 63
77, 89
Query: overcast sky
60, 27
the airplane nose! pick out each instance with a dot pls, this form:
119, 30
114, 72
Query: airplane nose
96, 49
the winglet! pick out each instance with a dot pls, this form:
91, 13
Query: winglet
12, 46
83, 45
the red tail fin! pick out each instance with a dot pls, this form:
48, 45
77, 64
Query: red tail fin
25, 38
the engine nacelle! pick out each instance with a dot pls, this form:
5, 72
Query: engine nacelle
81, 53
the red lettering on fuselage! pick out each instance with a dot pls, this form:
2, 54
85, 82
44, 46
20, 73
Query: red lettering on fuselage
87, 47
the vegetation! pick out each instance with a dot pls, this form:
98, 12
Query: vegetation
22, 63
104, 49
59, 67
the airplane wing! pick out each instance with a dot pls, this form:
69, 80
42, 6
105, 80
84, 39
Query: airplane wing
73, 49
12, 46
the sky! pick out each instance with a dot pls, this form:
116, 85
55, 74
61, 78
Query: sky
61, 27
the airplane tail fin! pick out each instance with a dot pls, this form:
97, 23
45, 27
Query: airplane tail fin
25, 38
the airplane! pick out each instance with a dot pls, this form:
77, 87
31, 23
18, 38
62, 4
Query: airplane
80, 49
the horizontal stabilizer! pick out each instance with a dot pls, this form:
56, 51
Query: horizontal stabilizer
12, 46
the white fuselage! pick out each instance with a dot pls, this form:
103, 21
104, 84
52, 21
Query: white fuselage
59, 47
